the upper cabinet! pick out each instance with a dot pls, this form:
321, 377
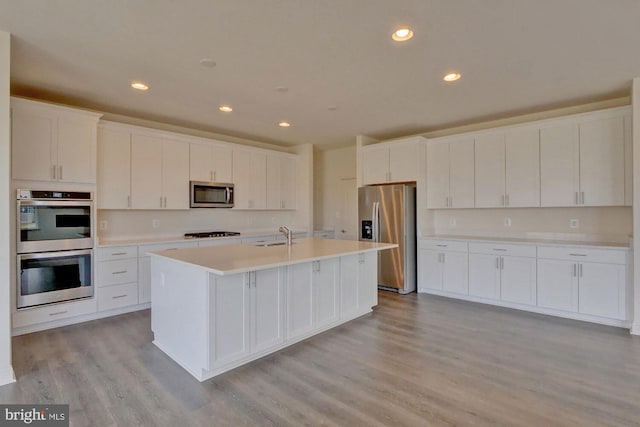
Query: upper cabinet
391, 161
249, 179
281, 181
52, 143
582, 162
450, 177
210, 162
507, 169
114, 169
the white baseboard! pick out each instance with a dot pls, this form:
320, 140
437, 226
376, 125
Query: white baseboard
7, 375
635, 328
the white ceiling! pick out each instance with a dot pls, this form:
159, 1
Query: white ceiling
515, 56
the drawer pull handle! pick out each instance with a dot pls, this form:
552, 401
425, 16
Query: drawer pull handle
119, 296
57, 313
501, 250
119, 253
442, 246
578, 254
120, 272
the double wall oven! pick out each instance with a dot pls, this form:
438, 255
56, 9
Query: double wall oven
54, 246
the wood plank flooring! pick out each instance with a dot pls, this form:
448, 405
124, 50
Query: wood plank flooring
417, 360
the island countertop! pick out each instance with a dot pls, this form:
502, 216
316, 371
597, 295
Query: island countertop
241, 258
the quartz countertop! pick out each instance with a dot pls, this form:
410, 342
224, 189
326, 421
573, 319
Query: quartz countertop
241, 258
529, 241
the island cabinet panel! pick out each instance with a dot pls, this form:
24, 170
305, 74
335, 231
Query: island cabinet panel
349, 272
267, 308
325, 291
299, 300
230, 309
367, 281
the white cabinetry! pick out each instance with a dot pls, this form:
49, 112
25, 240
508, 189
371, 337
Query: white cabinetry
117, 284
210, 162
159, 173
52, 143
281, 182
325, 291
144, 265
443, 265
114, 169
391, 161
450, 174
249, 177
582, 162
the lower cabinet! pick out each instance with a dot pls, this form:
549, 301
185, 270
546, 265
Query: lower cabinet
358, 283
117, 277
558, 284
267, 308
445, 270
325, 291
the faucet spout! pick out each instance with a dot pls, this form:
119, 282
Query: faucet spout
287, 232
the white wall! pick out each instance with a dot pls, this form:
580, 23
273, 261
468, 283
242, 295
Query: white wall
330, 166
6, 371
635, 96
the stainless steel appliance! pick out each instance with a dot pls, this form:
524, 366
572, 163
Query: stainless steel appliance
387, 213
205, 234
211, 194
54, 246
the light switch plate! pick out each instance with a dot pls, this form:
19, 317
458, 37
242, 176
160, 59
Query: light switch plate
574, 223
155, 223
507, 222
452, 222
104, 224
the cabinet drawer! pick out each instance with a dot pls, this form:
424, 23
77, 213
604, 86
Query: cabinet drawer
117, 272
582, 254
502, 249
117, 252
143, 249
444, 245
49, 313
117, 296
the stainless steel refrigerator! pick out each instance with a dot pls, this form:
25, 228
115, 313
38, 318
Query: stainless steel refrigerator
387, 213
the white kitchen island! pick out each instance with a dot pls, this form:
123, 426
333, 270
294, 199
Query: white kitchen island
216, 308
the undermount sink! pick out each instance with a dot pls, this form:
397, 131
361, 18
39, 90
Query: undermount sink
267, 244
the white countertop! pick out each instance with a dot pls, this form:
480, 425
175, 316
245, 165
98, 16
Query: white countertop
180, 238
549, 242
234, 259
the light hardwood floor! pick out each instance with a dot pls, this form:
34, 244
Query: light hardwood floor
417, 360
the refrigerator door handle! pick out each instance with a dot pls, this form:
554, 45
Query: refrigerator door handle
376, 222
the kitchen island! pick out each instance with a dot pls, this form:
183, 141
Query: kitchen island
216, 308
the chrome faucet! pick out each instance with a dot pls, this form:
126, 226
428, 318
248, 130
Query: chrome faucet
287, 232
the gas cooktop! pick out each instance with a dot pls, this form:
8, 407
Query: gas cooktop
211, 234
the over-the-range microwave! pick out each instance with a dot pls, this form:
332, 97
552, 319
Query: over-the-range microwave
211, 194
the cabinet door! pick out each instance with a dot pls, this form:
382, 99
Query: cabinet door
559, 165
455, 272
489, 171
267, 311
114, 169
437, 175
602, 162
288, 180
77, 138
349, 272
522, 170
430, 269
375, 166
461, 173
242, 178
33, 144
258, 189
299, 300
200, 162
222, 164
274, 199
403, 162
175, 175
325, 284
518, 280
557, 285
367, 280
230, 310
144, 279
484, 276
146, 173
601, 290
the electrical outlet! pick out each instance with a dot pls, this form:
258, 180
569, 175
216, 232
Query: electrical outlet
155, 223
452, 222
104, 224
574, 223
507, 222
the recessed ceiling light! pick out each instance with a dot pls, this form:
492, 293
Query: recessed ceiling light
225, 108
281, 89
451, 77
207, 62
402, 34
284, 124
332, 108
139, 86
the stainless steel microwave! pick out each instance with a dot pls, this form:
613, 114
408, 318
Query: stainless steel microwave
211, 194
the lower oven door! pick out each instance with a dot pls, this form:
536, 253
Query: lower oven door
50, 277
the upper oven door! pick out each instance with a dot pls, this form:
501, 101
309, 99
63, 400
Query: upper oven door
211, 195
53, 225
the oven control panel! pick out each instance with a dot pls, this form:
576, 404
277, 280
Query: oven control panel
53, 195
